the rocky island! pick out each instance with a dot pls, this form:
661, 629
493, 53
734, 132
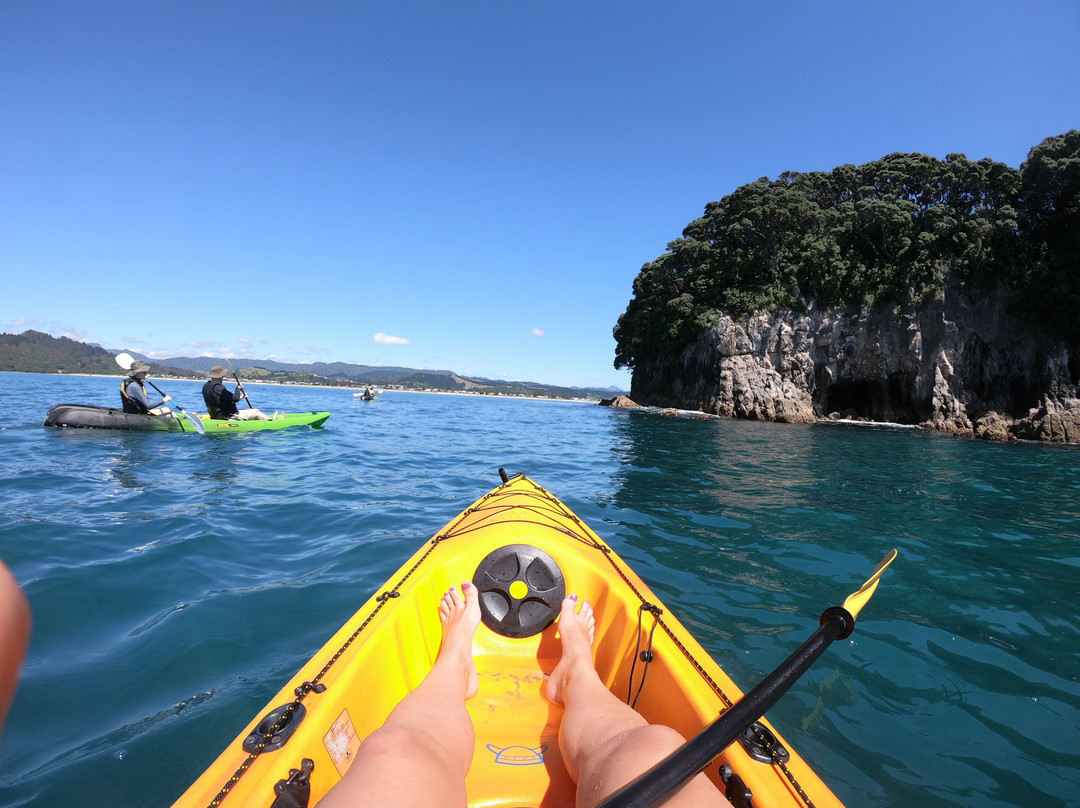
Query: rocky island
943, 294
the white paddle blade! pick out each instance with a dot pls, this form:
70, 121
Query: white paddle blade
196, 422
125, 360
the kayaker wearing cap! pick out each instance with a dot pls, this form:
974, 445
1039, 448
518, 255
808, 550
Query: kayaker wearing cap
133, 392
221, 404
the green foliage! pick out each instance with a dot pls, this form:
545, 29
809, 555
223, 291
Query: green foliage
35, 352
897, 228
1050, 287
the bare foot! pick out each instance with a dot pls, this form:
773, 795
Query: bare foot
577, 630
460, 618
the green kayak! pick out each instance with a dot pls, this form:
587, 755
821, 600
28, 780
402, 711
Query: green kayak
86, 416
281, 420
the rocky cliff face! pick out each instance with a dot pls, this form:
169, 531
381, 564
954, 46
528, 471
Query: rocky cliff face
954, 365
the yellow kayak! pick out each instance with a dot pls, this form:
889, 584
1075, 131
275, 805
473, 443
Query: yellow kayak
524, 550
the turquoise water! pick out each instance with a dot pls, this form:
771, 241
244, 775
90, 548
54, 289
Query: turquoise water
177, 581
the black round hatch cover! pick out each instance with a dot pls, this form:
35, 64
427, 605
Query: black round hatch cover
521, 589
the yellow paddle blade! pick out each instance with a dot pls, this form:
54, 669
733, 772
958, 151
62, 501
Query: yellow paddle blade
856, 600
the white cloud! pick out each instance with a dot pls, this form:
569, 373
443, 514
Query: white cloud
52, 327
386, 339
536, 332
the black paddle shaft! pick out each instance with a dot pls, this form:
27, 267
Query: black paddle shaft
160, 393
158, 390
193, 420
248, 400
241, 386
693, 756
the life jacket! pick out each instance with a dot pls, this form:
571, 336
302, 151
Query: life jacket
219, 401
130, 404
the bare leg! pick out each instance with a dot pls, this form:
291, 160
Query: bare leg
251, 414
420, 756
605, 743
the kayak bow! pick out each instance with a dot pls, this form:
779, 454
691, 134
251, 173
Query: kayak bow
524, 550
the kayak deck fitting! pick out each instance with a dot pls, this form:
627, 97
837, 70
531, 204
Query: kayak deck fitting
524, 550
90, 417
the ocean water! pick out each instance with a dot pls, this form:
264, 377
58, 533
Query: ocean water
177, 581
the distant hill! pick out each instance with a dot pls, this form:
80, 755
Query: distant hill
35, 352
330, 370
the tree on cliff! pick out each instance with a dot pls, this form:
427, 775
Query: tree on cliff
874, 233
1050, 287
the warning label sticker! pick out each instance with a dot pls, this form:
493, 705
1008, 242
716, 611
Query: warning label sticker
341, 742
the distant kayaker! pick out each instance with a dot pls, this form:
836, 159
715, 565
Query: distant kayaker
221, 404
133, 392
421, 754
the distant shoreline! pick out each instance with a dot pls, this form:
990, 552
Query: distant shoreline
379, 390
468, 394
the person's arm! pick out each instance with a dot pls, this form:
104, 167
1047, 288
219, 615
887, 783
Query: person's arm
238, 393
136, 392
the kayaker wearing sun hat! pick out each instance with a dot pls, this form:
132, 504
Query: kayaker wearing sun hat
221, 404
133, 392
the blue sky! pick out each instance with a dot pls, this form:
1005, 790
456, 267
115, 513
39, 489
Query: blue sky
466, 186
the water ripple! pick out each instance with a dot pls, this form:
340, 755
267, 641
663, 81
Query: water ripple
177, 581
